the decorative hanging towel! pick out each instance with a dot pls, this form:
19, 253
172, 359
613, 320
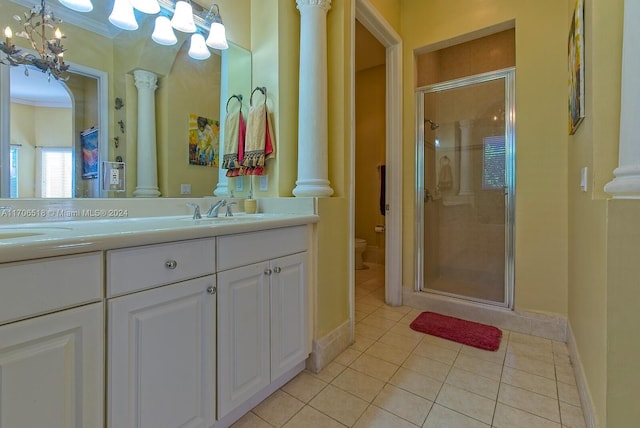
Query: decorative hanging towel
445, 178
234, 139
260, 142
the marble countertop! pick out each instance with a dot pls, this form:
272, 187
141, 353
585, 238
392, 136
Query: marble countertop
23, 241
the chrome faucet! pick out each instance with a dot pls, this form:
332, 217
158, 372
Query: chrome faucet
229, 212
213, 211
196, 211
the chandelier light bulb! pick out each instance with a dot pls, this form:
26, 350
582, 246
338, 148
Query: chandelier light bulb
78, 5
57, 34
122, 15
198, 49
8, 33
146, 6
183, 17
163, 32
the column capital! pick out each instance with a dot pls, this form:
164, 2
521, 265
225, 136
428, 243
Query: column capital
320, 4
145, 79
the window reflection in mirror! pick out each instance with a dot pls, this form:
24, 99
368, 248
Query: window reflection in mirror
185, 86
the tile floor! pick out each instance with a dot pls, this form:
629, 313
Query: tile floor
393, 377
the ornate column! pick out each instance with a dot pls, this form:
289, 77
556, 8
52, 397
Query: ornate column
626, 184
313, 169
466, 164
147, 166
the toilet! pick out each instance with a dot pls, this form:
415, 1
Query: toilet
359, 245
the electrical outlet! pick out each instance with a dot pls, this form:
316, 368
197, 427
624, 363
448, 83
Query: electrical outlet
264, 183
185, 189
239, 184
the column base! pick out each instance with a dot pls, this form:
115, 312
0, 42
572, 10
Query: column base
626, 184
222, 189
313, 187
146, 192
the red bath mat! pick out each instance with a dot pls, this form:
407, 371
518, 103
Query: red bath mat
462, 331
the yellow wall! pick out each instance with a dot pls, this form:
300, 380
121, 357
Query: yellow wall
541, 141
31, 127
390, 10
187, 77
23, 135
595, 145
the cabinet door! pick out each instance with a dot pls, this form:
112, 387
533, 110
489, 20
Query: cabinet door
51, 370
243, 338
288, 313
162, 357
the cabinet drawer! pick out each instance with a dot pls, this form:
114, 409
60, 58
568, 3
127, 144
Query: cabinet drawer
247, 248
39, 286
138, 268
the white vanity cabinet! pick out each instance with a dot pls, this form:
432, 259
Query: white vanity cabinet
52, 343
162, 340
262, 312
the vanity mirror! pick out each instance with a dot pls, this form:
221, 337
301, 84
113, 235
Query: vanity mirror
102, 59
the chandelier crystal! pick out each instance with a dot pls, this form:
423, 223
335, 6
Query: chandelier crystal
42, 30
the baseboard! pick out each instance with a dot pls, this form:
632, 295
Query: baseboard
544, 325
326, 348
581, 380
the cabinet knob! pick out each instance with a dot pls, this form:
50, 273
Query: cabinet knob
211, 290
171, 264
267, 271
277, 269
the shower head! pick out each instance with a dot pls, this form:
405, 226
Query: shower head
432, 124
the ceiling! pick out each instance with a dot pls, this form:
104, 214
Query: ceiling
37, 89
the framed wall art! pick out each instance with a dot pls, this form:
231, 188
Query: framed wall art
89, 144
576, 68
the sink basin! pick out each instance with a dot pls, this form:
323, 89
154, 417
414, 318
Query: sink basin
219, 219
208, 219
24, 232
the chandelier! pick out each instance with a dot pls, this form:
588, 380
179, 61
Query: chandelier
42, 29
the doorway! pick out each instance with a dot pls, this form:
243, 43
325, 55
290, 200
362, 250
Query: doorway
369, 17
465, 176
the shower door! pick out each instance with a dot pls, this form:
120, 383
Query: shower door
465, 188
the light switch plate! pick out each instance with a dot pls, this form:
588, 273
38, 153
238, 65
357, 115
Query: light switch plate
584, 179
264, 182
239, 184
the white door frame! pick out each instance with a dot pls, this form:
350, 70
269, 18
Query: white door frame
375, 23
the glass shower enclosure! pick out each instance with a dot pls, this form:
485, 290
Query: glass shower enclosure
465, 182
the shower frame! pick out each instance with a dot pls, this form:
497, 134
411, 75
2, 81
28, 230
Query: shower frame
508, 74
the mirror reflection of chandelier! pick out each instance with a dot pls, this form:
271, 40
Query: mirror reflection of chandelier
42, 29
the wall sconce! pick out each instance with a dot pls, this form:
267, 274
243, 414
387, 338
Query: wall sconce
163, 32
198, 48
183, 17
78, 5
122, 15
217, 35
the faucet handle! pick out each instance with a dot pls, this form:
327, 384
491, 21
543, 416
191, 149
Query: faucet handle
229, 212
196, 210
